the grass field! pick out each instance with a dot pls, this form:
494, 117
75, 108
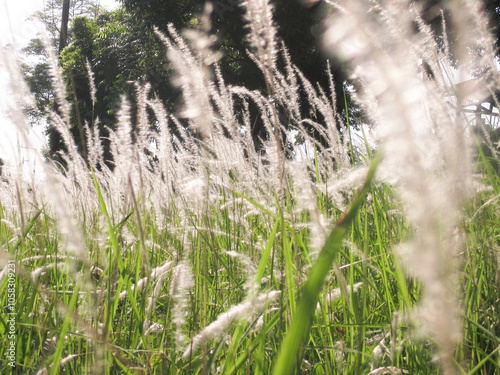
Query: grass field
204, 256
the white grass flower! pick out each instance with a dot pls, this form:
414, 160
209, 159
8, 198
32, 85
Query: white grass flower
245, 310
93, 89
155, 327
152, 299
192, 78
262, 35
57, 82
251, 287
124, 134
304, 193
423, 142
182, 282
159, 273
3, 274
319, 232
378, 353
194, 189
386, 370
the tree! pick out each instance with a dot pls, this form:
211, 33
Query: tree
36, 71
121, 48
38, 80
297, 26
52, 11
119, 53
57, 15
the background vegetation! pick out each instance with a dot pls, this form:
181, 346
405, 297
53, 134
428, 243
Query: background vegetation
170, 236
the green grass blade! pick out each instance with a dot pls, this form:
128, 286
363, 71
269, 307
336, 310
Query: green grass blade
301, 324
290, 279
112, 236
264, 259
27, 229
62, 342
481, 363
253, 202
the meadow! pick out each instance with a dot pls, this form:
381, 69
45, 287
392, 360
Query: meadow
196, 254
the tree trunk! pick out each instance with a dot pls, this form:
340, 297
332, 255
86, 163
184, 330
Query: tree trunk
63, 39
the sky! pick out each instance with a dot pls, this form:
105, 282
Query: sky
16, 30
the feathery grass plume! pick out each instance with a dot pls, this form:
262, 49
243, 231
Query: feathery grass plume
270, 165
245, 310
262, 36
40, 271
93, 89
159, 273
337, 293
156, 273
64, 209
126, 163
167, 168
77, 172
476, 44
303, 187
192, 75
251, 288
386, 370
182, 282
142, 131
59, 201
379, 351
142, 141
336, 148
73, 158
290, 84
62, 363
57, 81
19, 92
57, 205
306, 200
94, 145
223, 100
123, 141
424, 145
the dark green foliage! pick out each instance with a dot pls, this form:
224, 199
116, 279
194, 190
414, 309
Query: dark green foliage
38, 80
299, 27
120, 54
122, 48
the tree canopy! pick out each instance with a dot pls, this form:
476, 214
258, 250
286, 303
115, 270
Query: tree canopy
298, 26
121, 48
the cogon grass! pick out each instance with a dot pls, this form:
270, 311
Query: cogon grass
149, 257
425, 141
